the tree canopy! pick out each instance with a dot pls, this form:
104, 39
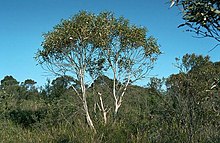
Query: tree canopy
201, 17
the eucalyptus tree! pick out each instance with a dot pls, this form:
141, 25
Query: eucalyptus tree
88, 45
201, 17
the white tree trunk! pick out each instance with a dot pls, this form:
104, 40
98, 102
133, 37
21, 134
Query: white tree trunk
88, 118
103, 109
117, 106
85, 106
118, 100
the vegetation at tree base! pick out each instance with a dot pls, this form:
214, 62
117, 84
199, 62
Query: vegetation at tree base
187, 109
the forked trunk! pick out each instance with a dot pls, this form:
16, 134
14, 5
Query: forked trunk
102, 108
116, 108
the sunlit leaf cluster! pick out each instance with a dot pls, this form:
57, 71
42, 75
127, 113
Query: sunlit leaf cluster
202, 17
87, 30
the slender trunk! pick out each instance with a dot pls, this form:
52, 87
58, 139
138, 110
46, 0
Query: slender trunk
85, 105
88, 118
105, 117
118, 100
103, 109
114, 94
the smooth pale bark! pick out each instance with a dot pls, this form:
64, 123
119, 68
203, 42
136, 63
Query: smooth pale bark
85, 105
103, 109
118, 100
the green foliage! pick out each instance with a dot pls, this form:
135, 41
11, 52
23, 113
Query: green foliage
201, 16
193, 99
61, 86
190, 61
183, 113
95, 34
8, 81
26, 118
10, 85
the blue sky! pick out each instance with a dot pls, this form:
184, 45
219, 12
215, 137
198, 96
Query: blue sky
24, 21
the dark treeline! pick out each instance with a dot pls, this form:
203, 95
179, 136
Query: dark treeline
185, 107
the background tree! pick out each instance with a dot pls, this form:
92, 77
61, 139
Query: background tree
201, 17
192, 99
60, 86
28, 89
10, 86
156, 85
29, 84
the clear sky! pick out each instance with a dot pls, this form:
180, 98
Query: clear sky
23, 22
